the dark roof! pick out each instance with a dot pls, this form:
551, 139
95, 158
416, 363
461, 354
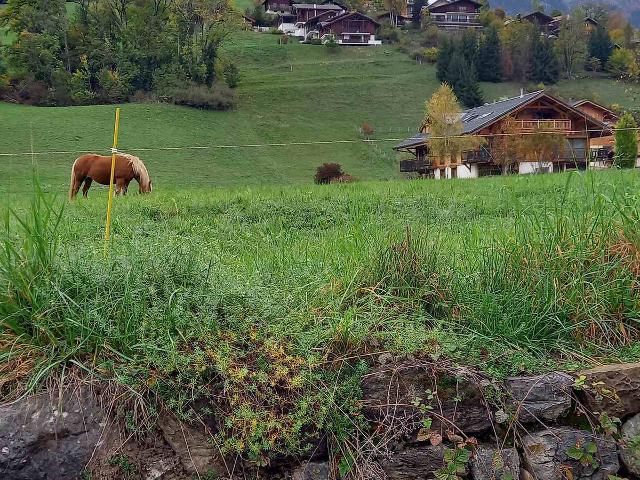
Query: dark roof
326, 14
543, 17
417, 139
442, 3
346, 15
317, 6
475, 119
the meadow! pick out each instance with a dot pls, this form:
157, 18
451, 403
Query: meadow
281, 294
237, 274
288, 93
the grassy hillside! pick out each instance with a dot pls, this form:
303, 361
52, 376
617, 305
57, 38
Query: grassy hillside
288, 93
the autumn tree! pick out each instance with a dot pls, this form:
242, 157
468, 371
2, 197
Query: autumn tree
571, 46
542, 146
442, 121
506, 144
626, 138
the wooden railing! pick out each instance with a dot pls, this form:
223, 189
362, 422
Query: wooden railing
544, 125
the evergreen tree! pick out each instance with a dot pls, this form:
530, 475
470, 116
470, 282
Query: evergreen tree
416, 13
489, 59
464, 81
446, 51
544, 64
626, 142
600, 45
467, 45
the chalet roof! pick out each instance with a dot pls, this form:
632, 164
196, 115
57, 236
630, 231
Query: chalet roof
324, 15
344, 15
578, 103
541, 16
442, 3
316, 6
475, 119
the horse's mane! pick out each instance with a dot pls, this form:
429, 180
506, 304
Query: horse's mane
138, 167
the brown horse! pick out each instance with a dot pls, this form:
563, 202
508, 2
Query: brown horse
90, 167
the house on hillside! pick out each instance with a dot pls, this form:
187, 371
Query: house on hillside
347, 28
294, 23
531, 112
309, 21
455, 14
546, 23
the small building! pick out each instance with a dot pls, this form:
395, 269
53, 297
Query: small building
348, 28
545, 22
531, 112
295, 22
455, 14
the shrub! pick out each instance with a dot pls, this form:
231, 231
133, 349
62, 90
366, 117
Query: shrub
283, 40
331, 44
593, 64
430, 54
315, 41
217, 97
622, 63
389, 34
326, 172
231, 75
626, 139
367, 129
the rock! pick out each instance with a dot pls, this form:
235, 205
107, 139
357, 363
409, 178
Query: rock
630, 445
48, 437
490, 463
623, 380
398, 392
385, 358
312, 471
414, 463
542, 398
192, 446
546, 454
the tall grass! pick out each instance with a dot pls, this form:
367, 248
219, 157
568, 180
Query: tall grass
268, 292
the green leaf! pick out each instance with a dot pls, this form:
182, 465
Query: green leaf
591, 447
575, 453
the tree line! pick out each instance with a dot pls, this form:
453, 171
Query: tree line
103, 51
519, 50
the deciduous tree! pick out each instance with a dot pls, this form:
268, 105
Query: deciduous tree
571, 46
442, 120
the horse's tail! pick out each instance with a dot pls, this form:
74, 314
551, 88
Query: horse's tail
73, 179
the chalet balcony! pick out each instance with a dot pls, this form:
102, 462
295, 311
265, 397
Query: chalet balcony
544, 125
456, 20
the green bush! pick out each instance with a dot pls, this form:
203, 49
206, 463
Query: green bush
626, 137
331, 44
217, 97
231, 75
430, 55
388, 33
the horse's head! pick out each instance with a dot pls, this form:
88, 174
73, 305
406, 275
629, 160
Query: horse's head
146, 187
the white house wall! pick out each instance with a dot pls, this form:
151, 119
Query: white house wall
525, 168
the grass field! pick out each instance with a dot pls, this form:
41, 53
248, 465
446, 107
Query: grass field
255, 290
288, 93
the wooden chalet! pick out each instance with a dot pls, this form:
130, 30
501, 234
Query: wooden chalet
546, 23
277, 6
536, 111
348, 28
455, 14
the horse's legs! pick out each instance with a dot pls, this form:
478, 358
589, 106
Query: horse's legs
86, 186
125, 187
119, 186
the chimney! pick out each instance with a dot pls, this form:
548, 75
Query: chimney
521, 92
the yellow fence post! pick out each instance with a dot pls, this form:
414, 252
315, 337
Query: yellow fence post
114, 150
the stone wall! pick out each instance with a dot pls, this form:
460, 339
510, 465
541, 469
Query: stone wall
426, 420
